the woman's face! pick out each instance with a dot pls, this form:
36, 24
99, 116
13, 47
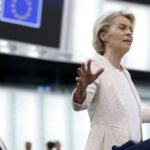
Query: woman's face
119, 36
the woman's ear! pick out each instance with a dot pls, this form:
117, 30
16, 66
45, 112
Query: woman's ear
103, 36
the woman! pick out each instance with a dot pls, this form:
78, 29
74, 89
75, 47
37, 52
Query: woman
105, 89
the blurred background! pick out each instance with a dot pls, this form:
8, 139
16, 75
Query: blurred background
42, 43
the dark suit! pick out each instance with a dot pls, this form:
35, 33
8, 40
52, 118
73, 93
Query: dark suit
145, 145
124, 146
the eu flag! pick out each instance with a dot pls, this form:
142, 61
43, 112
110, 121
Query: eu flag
22, 12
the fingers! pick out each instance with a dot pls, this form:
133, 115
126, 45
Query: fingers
81, 70
77, 79
99, 72
89, 65
83, 67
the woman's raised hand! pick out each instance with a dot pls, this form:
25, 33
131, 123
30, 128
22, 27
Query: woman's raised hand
85, 75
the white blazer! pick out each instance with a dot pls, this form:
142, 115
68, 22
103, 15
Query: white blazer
107, 108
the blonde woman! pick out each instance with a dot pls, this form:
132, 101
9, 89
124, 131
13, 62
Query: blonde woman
105, 89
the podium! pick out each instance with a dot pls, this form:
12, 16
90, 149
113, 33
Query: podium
130, 145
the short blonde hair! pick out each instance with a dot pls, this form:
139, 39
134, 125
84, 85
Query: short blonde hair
103, 23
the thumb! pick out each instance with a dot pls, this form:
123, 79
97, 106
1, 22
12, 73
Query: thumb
100, 71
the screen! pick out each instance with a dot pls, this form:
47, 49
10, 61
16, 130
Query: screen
32, 21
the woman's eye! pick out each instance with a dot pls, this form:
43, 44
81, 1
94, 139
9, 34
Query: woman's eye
122, 28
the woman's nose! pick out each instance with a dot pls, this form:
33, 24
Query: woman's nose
129, 31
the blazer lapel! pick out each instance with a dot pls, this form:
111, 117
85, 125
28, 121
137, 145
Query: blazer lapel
132, 87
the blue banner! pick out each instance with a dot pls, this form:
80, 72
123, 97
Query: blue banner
22, 12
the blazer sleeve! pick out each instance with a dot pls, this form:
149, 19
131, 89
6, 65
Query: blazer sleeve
145, 114
90, 92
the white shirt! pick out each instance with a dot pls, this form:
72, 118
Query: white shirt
133, 109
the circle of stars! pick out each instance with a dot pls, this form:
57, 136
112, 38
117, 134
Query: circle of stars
26, 14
